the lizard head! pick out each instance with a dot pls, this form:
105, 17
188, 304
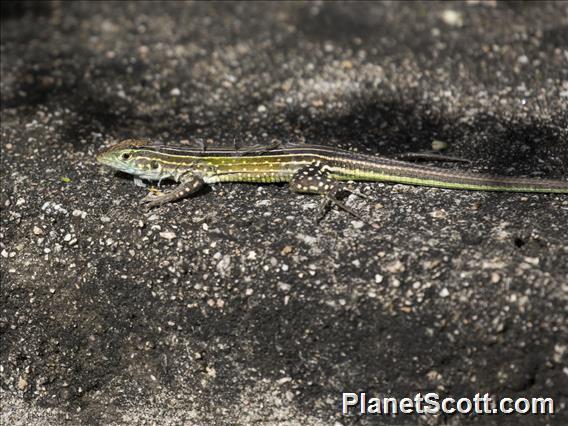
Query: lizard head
130, 157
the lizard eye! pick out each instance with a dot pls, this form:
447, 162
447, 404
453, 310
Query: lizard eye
154, 165
125, 155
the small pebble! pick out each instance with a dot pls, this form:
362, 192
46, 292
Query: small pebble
168, 235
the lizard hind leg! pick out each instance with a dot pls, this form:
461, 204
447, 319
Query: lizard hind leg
314, 179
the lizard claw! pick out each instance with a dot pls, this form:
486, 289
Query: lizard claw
151, 200
152, 195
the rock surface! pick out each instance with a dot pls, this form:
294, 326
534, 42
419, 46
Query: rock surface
235, 306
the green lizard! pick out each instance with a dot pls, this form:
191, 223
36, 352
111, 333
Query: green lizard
308, 169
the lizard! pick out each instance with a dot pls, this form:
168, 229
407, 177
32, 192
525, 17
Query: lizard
313, 169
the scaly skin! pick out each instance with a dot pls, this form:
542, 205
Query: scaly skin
308, 168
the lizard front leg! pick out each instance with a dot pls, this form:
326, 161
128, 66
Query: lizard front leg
190, 183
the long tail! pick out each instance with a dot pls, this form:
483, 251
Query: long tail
402, 172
